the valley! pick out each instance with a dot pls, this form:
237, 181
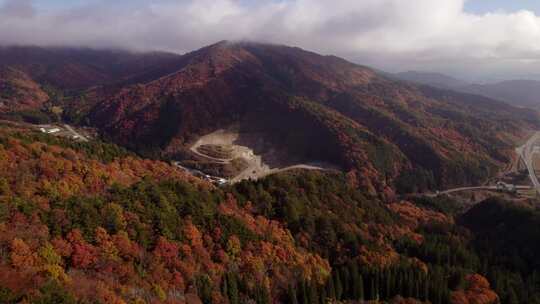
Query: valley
519, 181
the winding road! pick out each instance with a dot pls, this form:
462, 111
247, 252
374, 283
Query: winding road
249, 174
256, 168
525, 153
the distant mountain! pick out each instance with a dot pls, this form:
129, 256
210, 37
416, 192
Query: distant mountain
433, 79
80, 68
516, 92
18, 91
523, 93
37, 83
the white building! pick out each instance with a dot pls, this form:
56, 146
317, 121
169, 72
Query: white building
53, 130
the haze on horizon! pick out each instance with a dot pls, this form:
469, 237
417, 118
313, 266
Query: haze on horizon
474, 40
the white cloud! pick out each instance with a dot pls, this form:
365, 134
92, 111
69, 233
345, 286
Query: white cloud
392, 34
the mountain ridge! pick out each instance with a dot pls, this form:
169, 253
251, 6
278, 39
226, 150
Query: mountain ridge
224, 82
93, 222
517, 92
388, 134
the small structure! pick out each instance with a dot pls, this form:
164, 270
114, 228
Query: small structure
504, 187
53, 130
221, 181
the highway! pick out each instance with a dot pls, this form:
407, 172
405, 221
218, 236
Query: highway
526, 153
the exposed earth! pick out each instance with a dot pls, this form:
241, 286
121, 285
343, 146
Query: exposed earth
253, 157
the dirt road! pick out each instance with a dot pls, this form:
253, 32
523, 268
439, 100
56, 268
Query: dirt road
256, 168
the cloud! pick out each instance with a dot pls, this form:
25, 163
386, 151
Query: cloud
17, 9
390, 34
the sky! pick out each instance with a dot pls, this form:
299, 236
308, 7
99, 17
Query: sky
480, 40
486, 6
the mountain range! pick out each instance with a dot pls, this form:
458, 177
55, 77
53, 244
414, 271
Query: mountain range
519, 92
387, 134
115, 219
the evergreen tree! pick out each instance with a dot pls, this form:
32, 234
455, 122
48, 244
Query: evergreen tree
224, 286
323, 295
426, 290
305, 297
372, 290
338, 285
264, 295
512, 297
361, 295
355, 277
345, 279
233, 288
387, 288
313, 295
330, 288
293, 299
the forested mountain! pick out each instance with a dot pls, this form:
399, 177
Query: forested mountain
515, 92
519, 92
386, 133
91, 223
80, 68
96, 222
437, 80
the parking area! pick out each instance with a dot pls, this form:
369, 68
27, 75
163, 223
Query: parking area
63, 130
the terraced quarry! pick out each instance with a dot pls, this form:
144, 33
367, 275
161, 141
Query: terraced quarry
233, 150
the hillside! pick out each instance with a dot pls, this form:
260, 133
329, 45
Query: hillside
43, 85
80, 68
437, 80
521, 93
91, 223
386, 133
19, 92
516, 92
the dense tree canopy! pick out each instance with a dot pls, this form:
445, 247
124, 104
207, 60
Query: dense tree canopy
82, 226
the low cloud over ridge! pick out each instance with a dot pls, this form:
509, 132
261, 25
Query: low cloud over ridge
390, 34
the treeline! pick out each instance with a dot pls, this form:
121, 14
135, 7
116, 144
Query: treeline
297, 237
96, 149
321, 206
507, 239
325, 208
415, 180
352, 282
